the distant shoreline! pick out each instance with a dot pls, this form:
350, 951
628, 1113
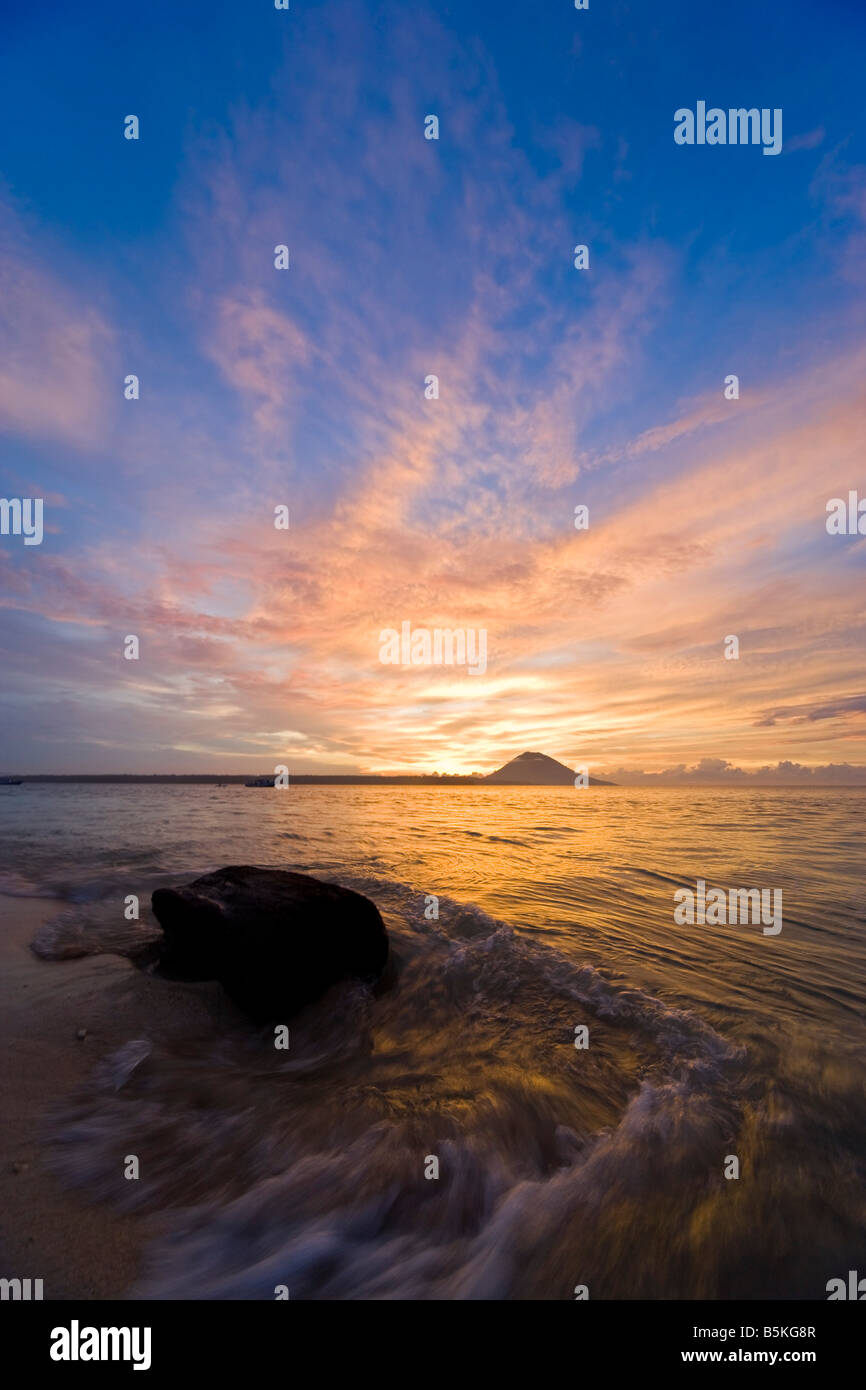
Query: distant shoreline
548, 773
398, 780
240, 779
303, 779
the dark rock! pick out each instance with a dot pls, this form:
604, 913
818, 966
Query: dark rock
274, 940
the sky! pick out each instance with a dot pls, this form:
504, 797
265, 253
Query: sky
304, 388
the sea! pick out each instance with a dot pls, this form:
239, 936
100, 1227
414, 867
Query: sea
619, 1105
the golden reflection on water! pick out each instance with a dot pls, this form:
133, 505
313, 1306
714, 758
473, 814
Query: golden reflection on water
559, 1165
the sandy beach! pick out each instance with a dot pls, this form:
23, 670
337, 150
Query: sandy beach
48, 1232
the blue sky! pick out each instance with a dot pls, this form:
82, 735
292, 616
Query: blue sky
558, 387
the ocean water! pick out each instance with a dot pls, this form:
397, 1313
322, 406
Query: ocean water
603, 1166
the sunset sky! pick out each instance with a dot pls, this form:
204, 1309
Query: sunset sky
305, 387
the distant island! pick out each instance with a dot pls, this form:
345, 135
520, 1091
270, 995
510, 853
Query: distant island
526, 770
537, 770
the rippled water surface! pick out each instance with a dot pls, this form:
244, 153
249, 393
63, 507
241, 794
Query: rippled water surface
601, 1166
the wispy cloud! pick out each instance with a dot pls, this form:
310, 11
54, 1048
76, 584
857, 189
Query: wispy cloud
412, 258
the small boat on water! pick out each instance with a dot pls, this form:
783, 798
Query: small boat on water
260, 782
11, 781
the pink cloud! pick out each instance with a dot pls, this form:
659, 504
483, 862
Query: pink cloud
54, 351
257, 349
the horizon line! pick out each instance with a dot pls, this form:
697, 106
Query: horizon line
673, 780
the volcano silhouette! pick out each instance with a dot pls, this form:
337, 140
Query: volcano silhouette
538, 770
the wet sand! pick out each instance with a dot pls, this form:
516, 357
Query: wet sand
47, 1232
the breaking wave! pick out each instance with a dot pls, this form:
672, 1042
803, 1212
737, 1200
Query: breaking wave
307, 1168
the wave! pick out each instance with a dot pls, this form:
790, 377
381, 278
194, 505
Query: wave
307, 1169
91, 929
13, 885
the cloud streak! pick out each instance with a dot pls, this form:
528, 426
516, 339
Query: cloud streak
306, 388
